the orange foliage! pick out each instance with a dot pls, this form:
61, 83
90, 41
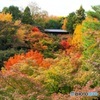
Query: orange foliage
45, 64
65, 44
35, 29
33, 39
38, 57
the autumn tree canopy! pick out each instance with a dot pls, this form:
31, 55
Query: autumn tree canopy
14, 10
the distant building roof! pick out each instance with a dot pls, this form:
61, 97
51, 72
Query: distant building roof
55, 31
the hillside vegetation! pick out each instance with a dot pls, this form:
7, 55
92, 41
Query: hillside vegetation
39, 66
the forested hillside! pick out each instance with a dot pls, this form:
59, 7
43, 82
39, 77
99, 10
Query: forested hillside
40, 66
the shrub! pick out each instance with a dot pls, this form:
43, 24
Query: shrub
65, 44
57, 78
6, 54
18, 86
36, 58
35, 29
8, 36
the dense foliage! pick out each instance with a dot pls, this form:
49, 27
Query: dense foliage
74, 19
32, 15
40, 66
27, 17
71, 21
5, 17
14, 11
53, 24
95, 13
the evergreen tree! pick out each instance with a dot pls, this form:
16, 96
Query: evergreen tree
71, 19
27, 17
80, 15
74, 19
95, 13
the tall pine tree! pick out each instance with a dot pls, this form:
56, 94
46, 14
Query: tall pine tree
27, 17
80, 15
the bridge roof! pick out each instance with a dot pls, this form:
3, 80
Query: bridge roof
55, 31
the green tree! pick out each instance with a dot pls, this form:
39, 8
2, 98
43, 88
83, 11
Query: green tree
27, 17
16, 13
75, 18
53, 24
80, 15
95, 13
71, 19
5, 10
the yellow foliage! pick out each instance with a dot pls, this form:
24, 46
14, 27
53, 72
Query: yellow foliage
83, 76
21, 32
90, 19
77, 36
17, 22
5, 17
64, 24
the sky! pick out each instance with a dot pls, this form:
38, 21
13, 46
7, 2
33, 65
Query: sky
53, 7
